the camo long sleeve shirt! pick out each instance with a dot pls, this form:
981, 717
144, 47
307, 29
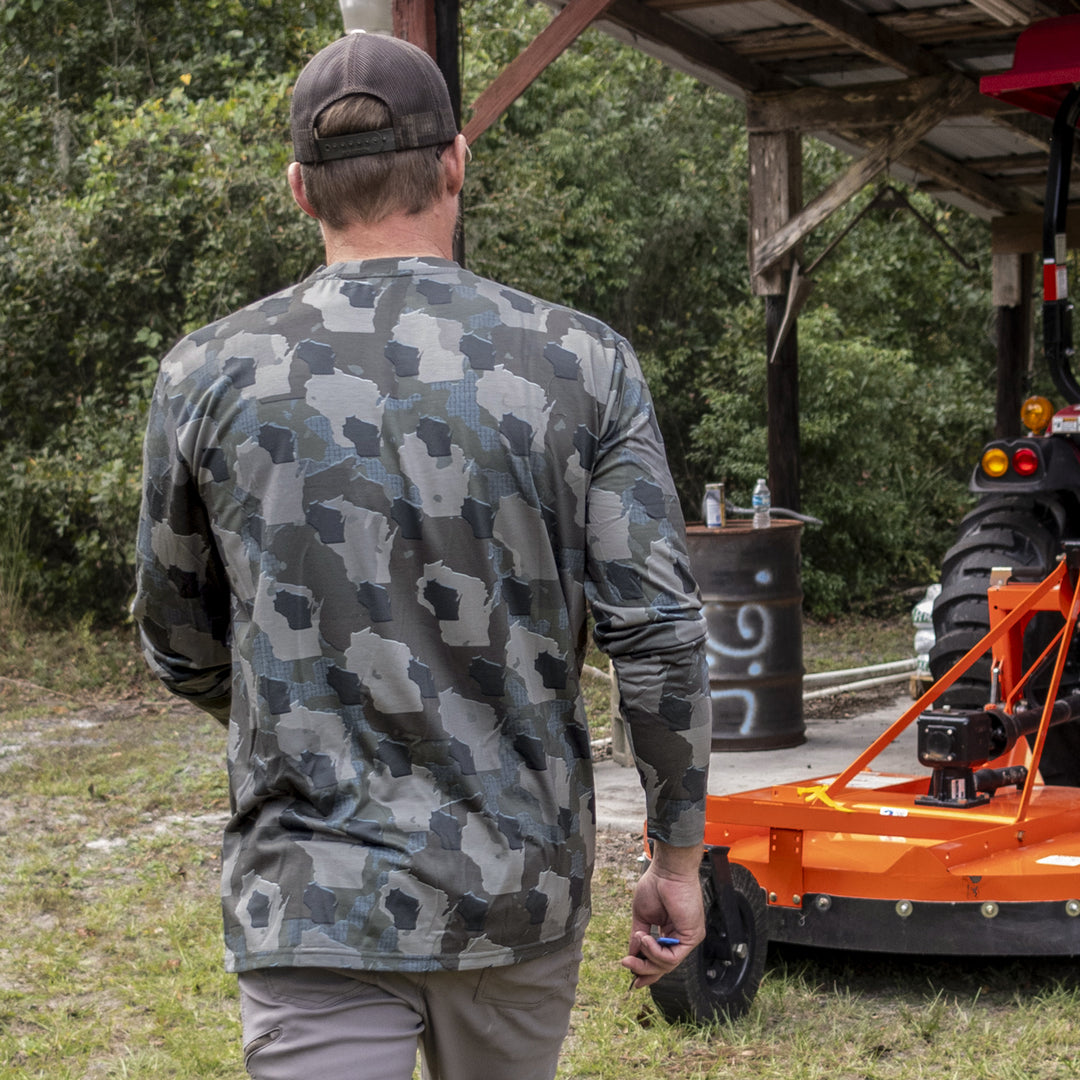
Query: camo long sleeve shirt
376, 507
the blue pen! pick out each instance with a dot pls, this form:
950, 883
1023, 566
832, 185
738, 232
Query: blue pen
667, 942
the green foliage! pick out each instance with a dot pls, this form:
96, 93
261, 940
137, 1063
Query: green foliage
617, 185
60, 58
184, 216
142, 195
884, 439
165, 207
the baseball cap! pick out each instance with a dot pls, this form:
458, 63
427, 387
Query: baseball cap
404, 78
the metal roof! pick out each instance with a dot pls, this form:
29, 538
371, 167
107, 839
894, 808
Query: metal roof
854, 73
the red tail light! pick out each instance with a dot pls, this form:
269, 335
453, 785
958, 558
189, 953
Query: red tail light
1025, 462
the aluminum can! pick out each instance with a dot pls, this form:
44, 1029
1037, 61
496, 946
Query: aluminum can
715, 515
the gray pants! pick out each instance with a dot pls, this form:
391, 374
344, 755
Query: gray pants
502, 1023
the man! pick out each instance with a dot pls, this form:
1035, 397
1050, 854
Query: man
377, 506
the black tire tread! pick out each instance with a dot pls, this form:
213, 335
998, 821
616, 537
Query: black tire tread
1022, 532
687, 995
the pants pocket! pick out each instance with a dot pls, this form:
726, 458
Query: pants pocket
528, 984
312, 989
259, 1043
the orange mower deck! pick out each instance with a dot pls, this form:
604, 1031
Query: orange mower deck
969, 854
860, 861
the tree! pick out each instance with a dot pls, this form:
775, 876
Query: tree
617, 185
141, 195
162, 207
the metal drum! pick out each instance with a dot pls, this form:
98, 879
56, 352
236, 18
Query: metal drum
752, 590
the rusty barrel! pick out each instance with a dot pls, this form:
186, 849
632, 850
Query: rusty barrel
751, 585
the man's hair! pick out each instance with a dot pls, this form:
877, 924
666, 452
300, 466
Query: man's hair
370, 188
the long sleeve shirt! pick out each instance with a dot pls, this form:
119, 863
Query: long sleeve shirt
377, 506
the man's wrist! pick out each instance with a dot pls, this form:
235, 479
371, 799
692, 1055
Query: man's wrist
675, 860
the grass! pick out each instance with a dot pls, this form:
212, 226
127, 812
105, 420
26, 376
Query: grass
13, 535
110, 961
876, 635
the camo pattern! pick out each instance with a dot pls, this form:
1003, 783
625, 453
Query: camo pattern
376, 506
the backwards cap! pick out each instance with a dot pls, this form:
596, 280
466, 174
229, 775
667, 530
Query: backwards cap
404, 78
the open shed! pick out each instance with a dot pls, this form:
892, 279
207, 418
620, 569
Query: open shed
894, 83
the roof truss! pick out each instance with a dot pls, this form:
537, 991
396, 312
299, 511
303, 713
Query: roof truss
892, 88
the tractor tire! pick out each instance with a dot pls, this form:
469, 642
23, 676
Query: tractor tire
1023, 533
706, 987
1000, 534
1046, 511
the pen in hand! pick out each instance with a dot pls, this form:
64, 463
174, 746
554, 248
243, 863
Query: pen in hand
666, 942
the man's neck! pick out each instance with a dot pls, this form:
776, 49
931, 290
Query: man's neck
399, 236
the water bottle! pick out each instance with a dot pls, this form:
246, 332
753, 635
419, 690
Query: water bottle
761, 502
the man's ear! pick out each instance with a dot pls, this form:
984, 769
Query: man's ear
296, 186
454, 159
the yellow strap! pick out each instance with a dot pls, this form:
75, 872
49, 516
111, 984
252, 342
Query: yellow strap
819, 793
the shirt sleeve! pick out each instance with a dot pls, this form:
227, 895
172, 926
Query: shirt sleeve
647, 609
181, 601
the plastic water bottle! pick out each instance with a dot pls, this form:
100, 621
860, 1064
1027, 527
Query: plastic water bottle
761, 501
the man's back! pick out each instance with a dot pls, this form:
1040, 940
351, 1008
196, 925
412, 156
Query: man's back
414, 476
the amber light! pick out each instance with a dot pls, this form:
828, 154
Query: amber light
995, 462
1025, 461
1035, 413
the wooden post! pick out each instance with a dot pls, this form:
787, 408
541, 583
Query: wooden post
447, 45
432, 25
775, 196
1012, 291
414, 20
782, 394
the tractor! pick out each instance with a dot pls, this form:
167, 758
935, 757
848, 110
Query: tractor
974, 850
1028, 487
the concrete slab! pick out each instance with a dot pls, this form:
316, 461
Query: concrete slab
831, 744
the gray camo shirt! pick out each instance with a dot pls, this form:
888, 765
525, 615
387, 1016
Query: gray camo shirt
376, 507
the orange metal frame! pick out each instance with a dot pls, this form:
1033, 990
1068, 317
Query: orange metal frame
862, 834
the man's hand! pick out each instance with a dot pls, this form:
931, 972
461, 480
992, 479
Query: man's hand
668, 896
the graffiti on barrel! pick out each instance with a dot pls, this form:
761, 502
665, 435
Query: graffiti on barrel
752, 593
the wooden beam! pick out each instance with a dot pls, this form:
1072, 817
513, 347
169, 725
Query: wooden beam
968, 34
1003, 11
816, 108
931, 112
867, 35
1020, 234
519, 74
878, 39
996, 197
696, 47
1038, 10
1005, 164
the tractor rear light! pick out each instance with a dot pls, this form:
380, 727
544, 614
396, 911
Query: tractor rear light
1035, 414
995, 462
1025, 461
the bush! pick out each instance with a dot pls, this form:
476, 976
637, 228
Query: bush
143, 200
886, 450
184, 215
